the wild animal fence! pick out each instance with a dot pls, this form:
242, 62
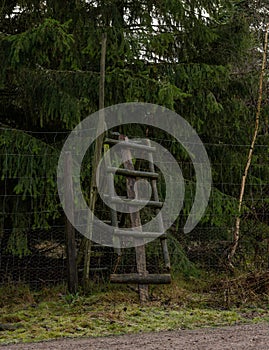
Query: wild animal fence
32, 222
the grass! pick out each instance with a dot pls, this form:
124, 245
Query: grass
53, 313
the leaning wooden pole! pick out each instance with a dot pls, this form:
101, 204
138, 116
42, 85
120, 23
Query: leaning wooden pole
140, 251
96, 159
236, 234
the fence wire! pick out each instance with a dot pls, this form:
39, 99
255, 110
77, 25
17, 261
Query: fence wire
36, 254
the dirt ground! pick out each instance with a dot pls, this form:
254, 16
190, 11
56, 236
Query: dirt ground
235, 337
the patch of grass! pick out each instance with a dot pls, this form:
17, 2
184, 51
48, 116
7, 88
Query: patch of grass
13, 294
58, 319
53, 313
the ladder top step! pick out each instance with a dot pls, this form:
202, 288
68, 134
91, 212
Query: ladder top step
137, 278
134, 202
133, 173
138, 234
131, 144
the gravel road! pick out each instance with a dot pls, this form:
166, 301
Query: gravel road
236, 337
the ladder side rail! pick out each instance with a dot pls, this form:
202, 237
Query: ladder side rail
113, 209
163, 239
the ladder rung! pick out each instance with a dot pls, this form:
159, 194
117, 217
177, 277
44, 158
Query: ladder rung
137, 278
134, 202
138, 234
135, 173
131, 144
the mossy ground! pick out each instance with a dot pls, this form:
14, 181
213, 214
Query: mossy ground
53, 313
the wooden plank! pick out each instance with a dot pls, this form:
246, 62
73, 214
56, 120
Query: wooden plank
166, 256
132, 172
131, 144
72, 273
136, 222
136, 278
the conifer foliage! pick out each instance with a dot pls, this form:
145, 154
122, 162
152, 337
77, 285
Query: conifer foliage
195, 57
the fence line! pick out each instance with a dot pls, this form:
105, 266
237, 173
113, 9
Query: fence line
43, 259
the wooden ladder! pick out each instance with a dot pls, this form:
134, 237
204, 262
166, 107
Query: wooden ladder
142, 277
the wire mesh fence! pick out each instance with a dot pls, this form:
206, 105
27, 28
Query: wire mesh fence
32, 222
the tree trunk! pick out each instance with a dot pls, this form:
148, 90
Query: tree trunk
236, 235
